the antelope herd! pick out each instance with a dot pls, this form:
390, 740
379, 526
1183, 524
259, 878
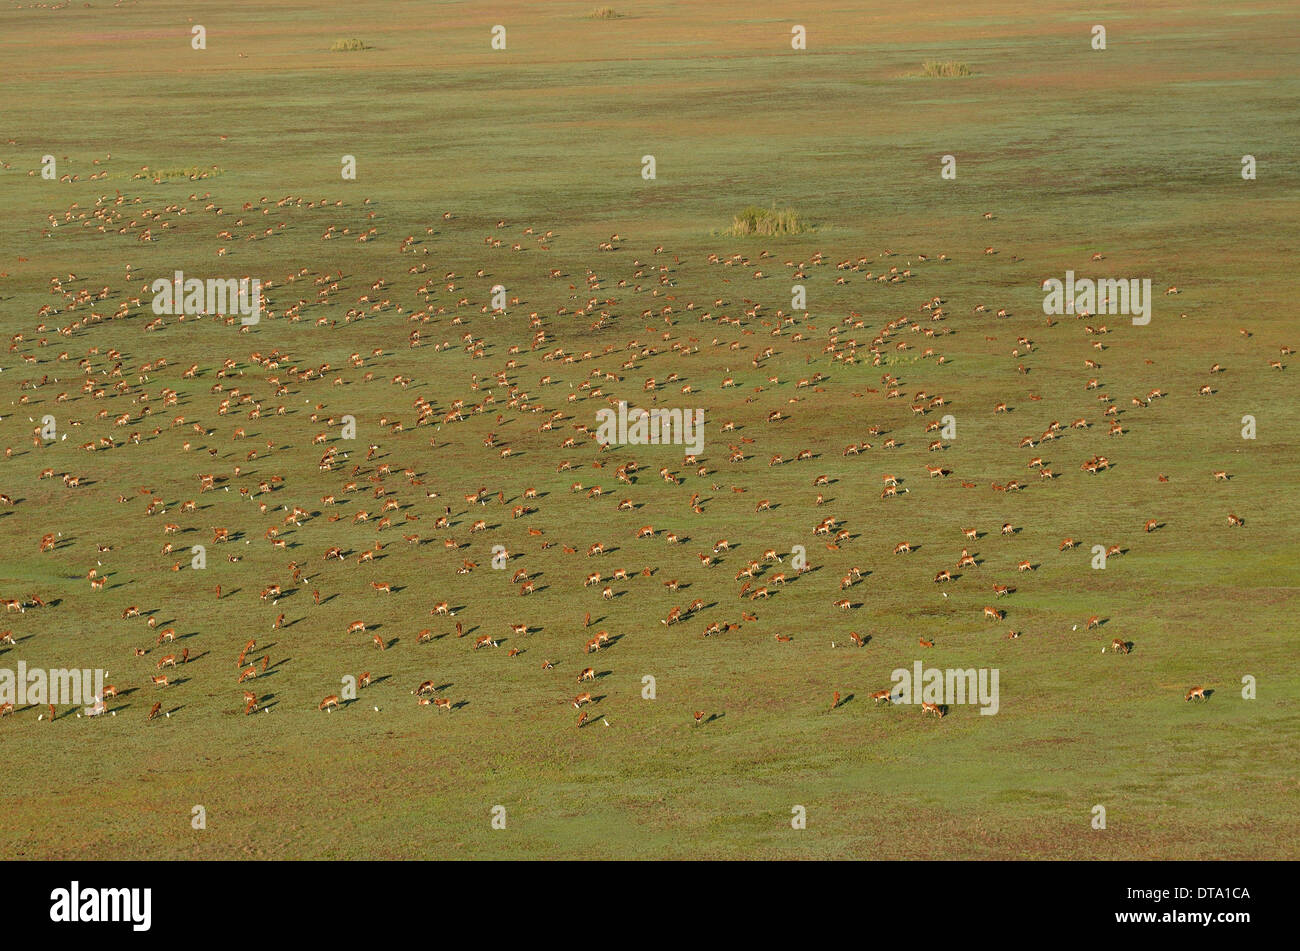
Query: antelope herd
466, 431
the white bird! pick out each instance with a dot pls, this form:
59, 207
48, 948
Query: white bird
604, 721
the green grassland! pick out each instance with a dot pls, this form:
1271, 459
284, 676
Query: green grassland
1133, 152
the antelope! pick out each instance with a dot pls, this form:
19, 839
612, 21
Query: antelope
580, 699
1024, 566
924, 643
934, 708
160, 681
1118, 646
1236, 520
843, 604
588, 674
993, 614
1150, 525
329, 703
1067, 543
485, 641
1001, 590
153, 712
880, 695
903, 548
943, 576
1093, 621
374, 639
357, 627
443, 608
1221, 476
1195, 692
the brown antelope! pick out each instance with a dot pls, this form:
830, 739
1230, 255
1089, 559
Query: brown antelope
1067, 543
843, 604
1195, 692
442, 703
1221, 476
1236, 520
153, 712
485, 641
329, 704
943, 576
1094, 621
1001, 590
1024, 566
1118, 646
884, 695
580, 699
993, 614
588, 674
443, 608
903, 548
383, 587
924, 643
160, 681
934, 708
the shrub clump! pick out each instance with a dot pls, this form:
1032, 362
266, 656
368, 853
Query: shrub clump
946, 68
767, 222
604, 13
347, 46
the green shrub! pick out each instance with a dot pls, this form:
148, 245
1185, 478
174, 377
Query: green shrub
768, 222
947, 68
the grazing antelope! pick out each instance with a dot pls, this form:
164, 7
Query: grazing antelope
160, 681
588, 674
1118, 646
880, 695
1236, 520
934, 708
1024, 566
1195, 692
993, 614
924, 643
329, 704
153, 712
